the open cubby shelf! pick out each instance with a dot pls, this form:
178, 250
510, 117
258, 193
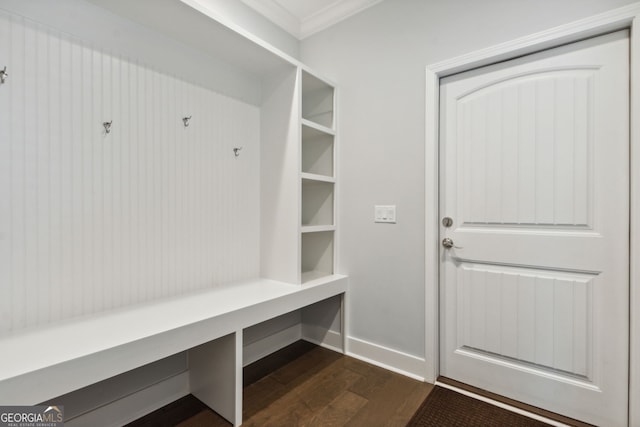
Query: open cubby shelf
317, 100
317, 255
317, 151
317, 202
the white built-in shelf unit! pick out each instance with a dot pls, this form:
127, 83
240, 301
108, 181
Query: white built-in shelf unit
297, 140
318, 179
247, 190
163, 168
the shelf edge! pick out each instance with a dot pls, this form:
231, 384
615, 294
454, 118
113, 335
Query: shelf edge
319, 178
318, 127
317, 228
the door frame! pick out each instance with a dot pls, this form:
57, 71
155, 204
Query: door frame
617, 19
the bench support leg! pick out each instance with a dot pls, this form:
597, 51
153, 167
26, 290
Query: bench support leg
215, 375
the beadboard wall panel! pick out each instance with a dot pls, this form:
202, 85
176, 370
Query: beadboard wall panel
91, 221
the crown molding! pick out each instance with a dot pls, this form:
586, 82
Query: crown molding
332, 14
276, 14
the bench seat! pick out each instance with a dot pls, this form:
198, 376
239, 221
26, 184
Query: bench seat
42, 363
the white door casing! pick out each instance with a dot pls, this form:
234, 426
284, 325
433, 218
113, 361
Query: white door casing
534, 173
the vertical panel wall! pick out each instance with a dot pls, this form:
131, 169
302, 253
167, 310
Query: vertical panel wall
91, 221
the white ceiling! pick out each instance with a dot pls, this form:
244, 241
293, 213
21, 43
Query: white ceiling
302, 18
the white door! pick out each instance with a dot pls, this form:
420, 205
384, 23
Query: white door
535, 176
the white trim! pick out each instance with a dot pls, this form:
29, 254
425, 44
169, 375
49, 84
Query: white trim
136, 405
588, 27
387, 358
502, 405
634, 236
625, 17
432, 228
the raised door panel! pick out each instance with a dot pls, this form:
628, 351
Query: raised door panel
525, 150
536, 318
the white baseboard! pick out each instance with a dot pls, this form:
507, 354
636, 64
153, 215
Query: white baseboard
267, 345
393, 360
136, 405
322, 337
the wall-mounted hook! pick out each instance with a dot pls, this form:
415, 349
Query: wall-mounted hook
185, 120
107, 126
3, 75
236, 151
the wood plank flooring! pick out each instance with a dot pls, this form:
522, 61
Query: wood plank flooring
306, 385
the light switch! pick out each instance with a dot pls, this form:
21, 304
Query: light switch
386, 213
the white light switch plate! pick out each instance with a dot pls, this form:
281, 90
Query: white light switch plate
386, 213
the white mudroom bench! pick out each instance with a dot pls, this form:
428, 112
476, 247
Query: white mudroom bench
42, 363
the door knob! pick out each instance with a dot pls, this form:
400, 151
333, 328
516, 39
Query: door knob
448, 243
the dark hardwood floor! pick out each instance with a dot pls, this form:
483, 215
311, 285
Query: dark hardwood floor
306, 385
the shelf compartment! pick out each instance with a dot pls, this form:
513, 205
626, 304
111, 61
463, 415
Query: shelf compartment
317, 151
317, 255
317, 100
317, 203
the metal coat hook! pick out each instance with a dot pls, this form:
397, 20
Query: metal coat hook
107, 126
185, 120
236, 151
3, 75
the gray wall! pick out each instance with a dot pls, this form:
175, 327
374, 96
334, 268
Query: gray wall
378, 58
